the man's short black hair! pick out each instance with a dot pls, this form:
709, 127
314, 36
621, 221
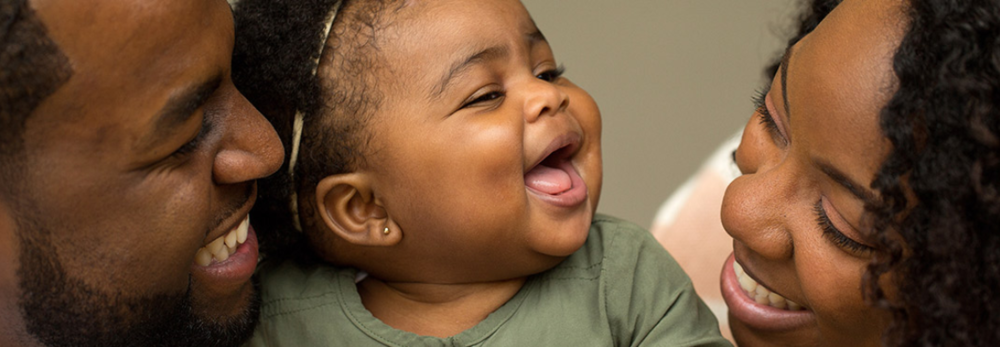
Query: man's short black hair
33, 68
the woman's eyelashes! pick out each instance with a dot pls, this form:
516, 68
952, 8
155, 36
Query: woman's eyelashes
766, 118
835, 235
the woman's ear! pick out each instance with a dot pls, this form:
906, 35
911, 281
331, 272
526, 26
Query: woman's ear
347, 205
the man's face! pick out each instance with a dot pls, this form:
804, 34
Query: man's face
132, 168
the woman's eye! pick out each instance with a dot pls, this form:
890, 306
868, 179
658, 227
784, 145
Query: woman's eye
485, 98
836, 236
551, 75
766, 119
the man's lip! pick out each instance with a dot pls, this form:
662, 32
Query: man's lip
234, 220
229, 280
245, 252
754, 315
568, 142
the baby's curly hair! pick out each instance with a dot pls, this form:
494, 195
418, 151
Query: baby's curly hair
937, 227
277, 42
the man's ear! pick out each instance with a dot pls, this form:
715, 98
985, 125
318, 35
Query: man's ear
347, 205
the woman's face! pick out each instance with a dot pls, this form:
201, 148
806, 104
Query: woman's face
808, 156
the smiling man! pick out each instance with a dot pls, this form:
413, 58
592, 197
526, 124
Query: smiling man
128, 163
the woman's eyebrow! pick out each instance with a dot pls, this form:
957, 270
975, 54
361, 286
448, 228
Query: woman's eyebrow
838, 176
785, 60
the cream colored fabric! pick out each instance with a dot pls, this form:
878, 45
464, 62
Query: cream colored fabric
298, 123
688, 225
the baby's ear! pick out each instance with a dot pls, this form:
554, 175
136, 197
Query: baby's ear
348, 207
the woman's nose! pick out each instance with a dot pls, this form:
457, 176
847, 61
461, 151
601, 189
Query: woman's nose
543, 98
756, 207
250, 147
755, 212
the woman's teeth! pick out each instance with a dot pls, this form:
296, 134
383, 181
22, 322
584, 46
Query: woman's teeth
760, 294
221, 248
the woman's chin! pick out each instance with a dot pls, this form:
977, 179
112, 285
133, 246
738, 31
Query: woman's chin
745, 336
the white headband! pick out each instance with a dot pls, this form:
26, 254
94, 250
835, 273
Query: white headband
298, 122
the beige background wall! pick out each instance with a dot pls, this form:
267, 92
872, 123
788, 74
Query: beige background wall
673, 79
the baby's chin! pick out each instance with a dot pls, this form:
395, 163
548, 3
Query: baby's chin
563, 237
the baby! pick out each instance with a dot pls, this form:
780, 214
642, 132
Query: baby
445, 176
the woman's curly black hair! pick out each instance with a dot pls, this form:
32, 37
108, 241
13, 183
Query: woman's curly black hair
944, 125
937, 227
277, 42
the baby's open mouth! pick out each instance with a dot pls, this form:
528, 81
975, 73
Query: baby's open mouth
552, 175
221, 248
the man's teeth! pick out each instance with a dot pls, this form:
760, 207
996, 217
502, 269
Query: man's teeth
221, 248
760, 294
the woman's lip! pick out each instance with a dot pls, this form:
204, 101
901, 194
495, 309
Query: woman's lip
749, 273
754, 315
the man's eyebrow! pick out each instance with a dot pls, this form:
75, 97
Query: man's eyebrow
459, 68
181, 106
837, 176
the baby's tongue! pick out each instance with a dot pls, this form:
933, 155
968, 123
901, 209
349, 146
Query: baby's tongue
548, 180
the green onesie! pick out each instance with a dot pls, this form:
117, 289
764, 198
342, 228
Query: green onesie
620, 289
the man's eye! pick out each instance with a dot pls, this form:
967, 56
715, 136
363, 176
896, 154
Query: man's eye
192, 145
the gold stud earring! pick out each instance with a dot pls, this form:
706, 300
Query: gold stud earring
385, 231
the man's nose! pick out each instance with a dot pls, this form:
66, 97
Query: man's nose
251, 148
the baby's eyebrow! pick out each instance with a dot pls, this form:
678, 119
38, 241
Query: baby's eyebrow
489, 54
493, 53
536, 36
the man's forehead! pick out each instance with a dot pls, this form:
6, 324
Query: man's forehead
130, 58
84, 14
111, 23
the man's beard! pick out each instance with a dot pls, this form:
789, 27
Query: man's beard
60, 310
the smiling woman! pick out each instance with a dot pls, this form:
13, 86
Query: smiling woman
866, 214
795, 217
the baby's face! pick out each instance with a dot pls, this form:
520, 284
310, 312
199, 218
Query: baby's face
485, 157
